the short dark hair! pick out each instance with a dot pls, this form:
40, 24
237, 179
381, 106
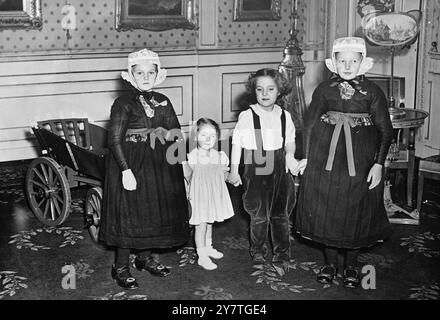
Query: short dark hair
206, 121
281, 82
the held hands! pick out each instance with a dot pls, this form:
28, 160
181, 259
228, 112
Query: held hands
226, 170
234, 179
188, 187
294, 166
375, 175
302, 166
291, 164
128, 180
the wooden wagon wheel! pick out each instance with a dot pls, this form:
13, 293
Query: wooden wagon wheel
48, 191
93, 211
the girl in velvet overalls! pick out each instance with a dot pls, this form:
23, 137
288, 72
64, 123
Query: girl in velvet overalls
267, 134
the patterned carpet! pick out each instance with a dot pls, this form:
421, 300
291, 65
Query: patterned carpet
36, 260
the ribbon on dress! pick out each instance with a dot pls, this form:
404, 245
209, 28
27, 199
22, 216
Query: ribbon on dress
346, 120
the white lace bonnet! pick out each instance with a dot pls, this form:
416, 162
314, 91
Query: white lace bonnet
350, 44
143, 56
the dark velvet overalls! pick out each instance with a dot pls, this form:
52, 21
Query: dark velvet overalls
269, 195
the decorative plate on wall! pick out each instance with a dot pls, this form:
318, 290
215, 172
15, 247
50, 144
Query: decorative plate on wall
392, 29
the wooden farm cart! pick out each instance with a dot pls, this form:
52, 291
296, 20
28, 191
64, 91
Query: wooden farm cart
73, 154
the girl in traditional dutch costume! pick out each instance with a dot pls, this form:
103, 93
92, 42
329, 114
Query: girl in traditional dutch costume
347, 135
144, 205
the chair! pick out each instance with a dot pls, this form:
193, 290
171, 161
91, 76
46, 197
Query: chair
429, 168
74, 130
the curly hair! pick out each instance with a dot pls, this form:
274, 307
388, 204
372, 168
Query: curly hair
282, 83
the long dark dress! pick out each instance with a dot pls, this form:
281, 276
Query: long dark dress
334, 208
155, 215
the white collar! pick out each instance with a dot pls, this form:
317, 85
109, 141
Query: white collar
261, 112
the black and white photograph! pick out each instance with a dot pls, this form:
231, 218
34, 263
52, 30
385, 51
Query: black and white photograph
256, 153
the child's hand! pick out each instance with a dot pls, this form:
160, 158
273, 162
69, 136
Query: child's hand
375, 175
128, 180
291, 164
302, 166
234, 179
226, 170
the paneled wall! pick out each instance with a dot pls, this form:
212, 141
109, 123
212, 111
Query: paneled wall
44, 75
428, 93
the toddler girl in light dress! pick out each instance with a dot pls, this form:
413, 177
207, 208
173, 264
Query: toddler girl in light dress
206, 171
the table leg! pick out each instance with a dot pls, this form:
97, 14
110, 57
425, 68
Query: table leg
411, 164
420, 191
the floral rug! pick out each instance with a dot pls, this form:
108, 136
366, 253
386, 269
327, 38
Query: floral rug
45, 263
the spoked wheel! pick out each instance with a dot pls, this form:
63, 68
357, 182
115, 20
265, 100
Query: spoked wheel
48, 191
93, 212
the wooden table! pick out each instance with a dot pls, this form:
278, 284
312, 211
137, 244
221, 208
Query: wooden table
413, 119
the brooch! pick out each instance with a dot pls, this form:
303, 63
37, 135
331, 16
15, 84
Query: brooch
346, 91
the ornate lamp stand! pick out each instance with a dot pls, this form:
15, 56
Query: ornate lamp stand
292, 67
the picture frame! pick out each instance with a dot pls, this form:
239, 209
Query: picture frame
365, 7
257, 10
24, 15
384, 83
155, 15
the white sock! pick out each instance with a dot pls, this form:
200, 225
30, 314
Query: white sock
213, 253
204, 261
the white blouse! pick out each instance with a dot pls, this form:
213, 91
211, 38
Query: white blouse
270, 128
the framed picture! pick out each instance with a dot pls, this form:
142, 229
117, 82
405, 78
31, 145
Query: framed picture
254, 10
155, 15
365, 7
20, 14
398, 87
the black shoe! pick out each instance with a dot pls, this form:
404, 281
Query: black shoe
327, 274
281, 258
351, 277
123, 277
152, 266
258, 258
